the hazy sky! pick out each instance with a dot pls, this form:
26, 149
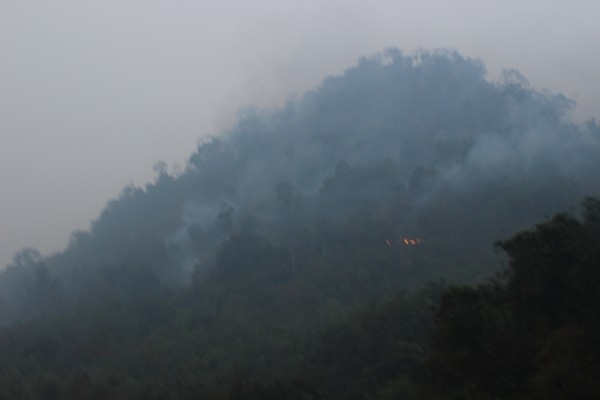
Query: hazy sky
93, 93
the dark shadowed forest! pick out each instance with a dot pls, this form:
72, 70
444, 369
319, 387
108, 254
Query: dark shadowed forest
406, 230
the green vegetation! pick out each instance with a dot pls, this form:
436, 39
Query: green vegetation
534, 334
267, 332
340, 247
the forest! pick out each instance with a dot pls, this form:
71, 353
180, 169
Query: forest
408, 229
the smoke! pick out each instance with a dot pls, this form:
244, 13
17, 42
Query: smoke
393, 128
422, 140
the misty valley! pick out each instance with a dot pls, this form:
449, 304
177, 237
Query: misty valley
408, 229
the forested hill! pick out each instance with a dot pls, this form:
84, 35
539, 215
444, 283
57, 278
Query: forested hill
403, 170
399, 146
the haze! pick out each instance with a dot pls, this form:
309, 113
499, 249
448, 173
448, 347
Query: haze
93, 94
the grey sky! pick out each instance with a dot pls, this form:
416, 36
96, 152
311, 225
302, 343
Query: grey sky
92, 93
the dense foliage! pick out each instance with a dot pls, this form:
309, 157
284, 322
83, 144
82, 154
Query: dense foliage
293, 258
534, 335
265, 333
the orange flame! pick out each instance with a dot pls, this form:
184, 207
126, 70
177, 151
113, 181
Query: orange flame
411, 242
